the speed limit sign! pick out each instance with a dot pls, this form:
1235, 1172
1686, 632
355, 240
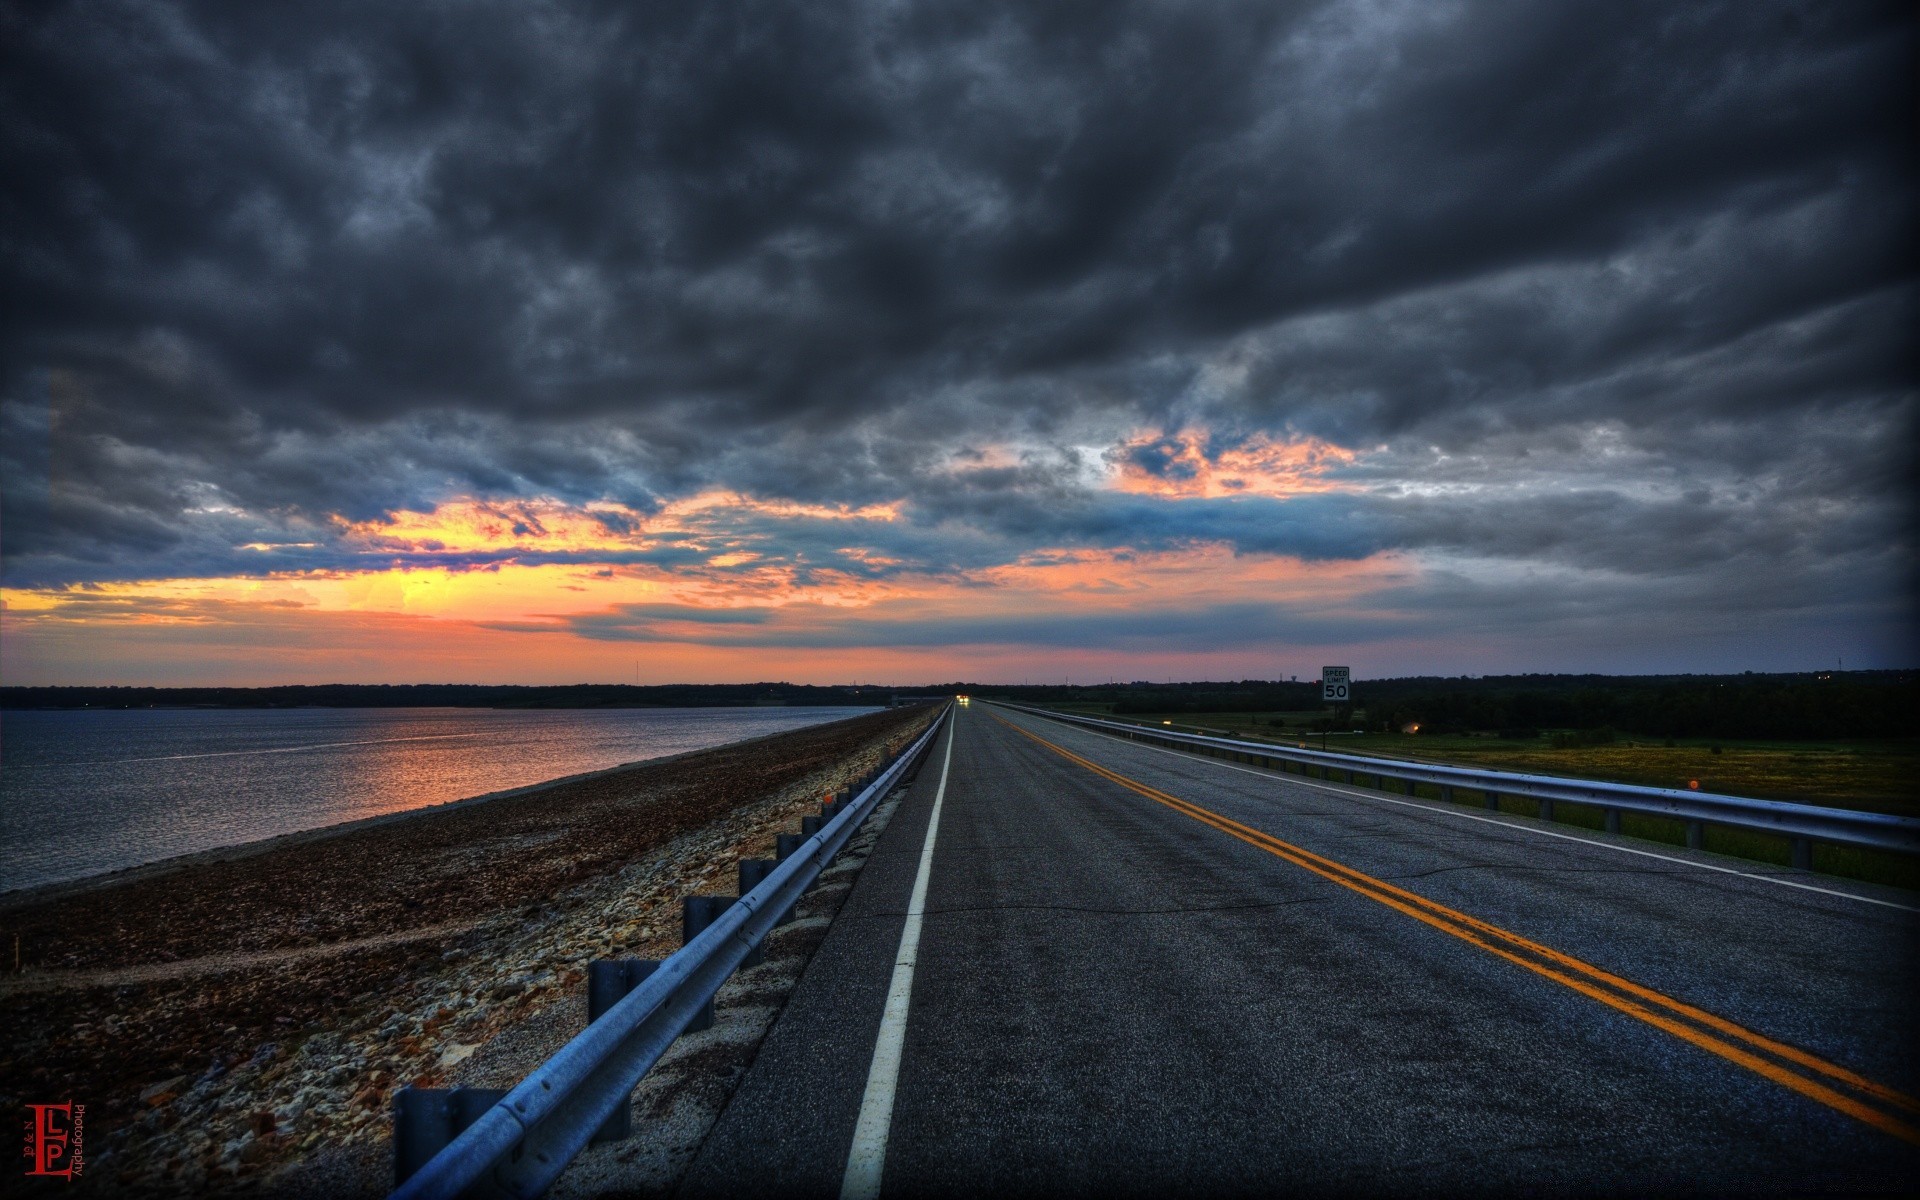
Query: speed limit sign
1334, 683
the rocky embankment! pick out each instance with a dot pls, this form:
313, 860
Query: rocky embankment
227, 1019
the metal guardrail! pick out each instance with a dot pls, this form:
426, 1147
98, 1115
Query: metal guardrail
1803, 824
522, 1143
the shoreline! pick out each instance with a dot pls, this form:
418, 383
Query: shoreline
66, 889
258, 1012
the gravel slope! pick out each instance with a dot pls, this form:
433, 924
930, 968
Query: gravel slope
224, 1018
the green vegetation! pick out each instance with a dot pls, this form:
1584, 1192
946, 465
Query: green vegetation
1876, 775
1870, 774
1821, 738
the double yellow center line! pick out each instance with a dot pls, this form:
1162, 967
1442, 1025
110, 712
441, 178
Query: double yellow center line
1813, 1077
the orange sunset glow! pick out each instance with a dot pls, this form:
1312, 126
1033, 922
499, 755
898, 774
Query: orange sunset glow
714, 583
543, 523
1261, 465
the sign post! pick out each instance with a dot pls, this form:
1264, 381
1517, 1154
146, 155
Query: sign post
1336, 687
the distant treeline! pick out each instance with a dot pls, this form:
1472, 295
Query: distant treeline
1817, 705
446, 695
1824, 705
1764, 708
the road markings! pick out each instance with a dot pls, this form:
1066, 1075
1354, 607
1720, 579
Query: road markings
867, 1159
1440, 809
1756, 1052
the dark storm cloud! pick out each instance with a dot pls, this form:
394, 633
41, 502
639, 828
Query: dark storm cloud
1613, 287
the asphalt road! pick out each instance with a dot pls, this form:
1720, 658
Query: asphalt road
1116, 992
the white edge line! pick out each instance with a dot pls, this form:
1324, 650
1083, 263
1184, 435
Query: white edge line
1552, 833
867, 1158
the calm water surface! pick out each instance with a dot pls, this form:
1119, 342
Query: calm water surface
84, 792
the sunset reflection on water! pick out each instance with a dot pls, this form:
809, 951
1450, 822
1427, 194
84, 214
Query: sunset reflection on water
88, 791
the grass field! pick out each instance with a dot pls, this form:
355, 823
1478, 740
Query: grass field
1876, 776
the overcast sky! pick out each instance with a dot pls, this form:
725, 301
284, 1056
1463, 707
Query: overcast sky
540, 342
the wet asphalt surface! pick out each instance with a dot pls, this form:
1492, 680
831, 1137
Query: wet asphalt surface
1113, 998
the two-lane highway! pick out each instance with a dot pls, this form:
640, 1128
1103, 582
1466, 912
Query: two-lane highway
1117, 969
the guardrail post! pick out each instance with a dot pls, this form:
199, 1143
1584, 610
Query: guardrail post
1696, 834
752, 871
1546, 809
610, 979
1493, 801
426, 1119
811, 825
608, 982
1802, 854
1446, 792
1612, 819
696, 913
786, 845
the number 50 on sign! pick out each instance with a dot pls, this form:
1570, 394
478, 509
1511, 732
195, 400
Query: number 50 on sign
1334, 683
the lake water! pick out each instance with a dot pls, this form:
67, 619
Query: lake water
83, 792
